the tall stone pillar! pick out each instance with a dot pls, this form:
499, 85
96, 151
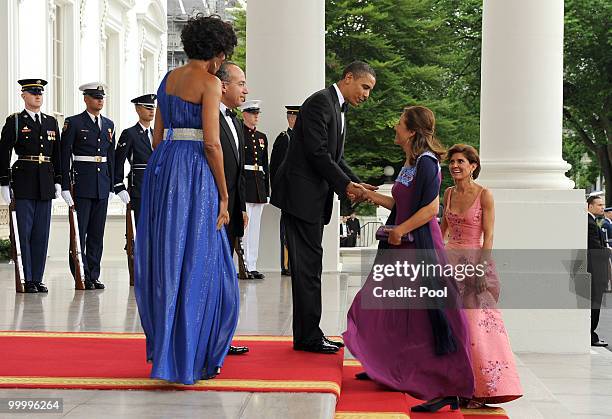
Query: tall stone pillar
520, 144
285, 65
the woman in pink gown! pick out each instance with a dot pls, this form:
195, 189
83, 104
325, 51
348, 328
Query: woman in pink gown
468, 222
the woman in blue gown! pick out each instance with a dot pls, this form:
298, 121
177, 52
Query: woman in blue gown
185, 281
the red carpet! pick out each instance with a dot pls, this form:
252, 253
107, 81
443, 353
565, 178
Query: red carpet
366, 399
117, 361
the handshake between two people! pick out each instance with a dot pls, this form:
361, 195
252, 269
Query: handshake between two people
359, 192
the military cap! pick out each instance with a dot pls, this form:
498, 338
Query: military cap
148, 100
292, 109
251, 106
608, 209
94, 89
33, 86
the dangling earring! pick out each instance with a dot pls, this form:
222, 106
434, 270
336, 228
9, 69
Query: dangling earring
471, 176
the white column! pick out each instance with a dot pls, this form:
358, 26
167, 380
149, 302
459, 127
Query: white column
522, 95
520, 144
285, 65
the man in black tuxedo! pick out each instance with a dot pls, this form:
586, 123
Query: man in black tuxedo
232, 142
597, 264
304, 187
234, 91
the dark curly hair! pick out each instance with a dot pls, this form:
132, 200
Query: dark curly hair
469, 153
205, 37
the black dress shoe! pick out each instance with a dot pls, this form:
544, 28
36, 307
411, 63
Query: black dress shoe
321, 347
98, 285
257, 275
237, 350
437, 404
362, 376
247, 276
285, 272
30, 288
333, 342
41, 287
89, 285
601, 343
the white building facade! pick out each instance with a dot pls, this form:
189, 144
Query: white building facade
69, 42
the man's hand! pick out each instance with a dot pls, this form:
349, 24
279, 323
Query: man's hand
5, 191
245, 219
356, 192
124, 196
67, 198
369, 187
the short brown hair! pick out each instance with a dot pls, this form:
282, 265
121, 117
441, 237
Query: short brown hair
593, 198
422, 121
470, 154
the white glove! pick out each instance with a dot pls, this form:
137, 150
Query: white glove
124, 196
5, 191
58, 190
67, 198
110, 196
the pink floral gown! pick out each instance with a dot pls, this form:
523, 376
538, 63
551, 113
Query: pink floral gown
495, 375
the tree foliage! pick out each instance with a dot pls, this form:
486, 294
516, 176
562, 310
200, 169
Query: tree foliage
587, 104
425, 52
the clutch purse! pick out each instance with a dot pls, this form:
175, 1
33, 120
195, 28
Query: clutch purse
383, 235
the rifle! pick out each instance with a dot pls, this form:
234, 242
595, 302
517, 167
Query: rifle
16, 248
130, 233
75, 247
243, 273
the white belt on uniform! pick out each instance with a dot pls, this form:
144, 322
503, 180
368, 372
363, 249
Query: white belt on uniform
185, 134
255, 168
90, 159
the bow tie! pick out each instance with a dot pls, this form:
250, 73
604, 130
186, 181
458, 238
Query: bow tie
230, 113
344, 107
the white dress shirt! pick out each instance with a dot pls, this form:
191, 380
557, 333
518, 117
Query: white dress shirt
341, 101
33, 115
149, 132
229, 121
93, 119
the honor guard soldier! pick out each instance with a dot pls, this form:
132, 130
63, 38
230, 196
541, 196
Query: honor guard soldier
279, 150
257, 177
136, 145
88, 151
34, 179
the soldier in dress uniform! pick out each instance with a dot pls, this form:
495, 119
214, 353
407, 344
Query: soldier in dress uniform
136, 145
279, 150
88, 152
257, 177
35, 177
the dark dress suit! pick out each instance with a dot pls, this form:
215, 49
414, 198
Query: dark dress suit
93, 182
133, 145
303, 189
32, 183
233, 165
597, 266
279, 151
354, 226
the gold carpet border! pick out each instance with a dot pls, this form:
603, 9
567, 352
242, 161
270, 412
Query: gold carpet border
120, 335
498, 411
371, 415
217, 383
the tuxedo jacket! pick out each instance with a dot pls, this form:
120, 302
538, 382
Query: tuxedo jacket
31, 179
233, 165
598, 256
279, 151
133, 145
314, 167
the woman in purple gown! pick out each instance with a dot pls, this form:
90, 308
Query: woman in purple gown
423, 351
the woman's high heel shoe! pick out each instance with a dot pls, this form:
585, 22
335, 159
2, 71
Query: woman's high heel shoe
437, 404
362, 376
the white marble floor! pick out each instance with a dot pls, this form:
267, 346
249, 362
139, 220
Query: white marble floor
556, 386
